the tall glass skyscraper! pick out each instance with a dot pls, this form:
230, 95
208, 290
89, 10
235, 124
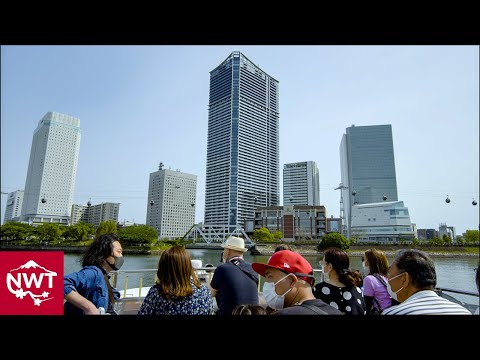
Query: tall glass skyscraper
52, 170
243, 142
367, 167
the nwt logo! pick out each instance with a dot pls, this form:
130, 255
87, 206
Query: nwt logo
31, 282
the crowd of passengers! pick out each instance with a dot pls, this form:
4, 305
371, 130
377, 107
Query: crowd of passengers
404, 287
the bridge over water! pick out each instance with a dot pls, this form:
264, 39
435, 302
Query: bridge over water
208, 236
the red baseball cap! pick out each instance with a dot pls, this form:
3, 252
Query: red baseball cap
288, 261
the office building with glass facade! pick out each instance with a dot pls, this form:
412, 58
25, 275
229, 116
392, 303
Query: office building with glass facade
367, 165
301, 184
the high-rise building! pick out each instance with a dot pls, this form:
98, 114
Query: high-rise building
367, 167
301, 184
171, 202
52, 170
13, 209
95, 214
243, 142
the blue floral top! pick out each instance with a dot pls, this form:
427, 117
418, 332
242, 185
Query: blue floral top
200, 302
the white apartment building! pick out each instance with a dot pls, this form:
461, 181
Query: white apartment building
301, 184
95, 214
52, 170
385, 222
171, 202
13, 209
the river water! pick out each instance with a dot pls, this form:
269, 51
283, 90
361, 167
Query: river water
452, 272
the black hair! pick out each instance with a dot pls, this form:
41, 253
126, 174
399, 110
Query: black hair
99, 250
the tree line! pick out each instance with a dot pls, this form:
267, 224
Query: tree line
77, 234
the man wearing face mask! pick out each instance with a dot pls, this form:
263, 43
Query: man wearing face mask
288, 285
88, 290
411, 281
234, 282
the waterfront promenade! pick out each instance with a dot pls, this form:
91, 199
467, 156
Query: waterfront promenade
268, 249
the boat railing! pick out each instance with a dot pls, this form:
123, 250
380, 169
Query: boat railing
204, 273
468, 299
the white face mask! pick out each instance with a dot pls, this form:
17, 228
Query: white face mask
366, 268
274, 300
389, 288
325, 273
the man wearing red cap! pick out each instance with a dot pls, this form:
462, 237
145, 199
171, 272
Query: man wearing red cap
288, 285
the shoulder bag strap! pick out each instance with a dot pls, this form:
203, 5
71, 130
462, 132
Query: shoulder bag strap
237, 264
111, 297
380, 279
314, 308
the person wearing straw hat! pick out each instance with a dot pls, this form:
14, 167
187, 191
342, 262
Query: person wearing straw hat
234, 282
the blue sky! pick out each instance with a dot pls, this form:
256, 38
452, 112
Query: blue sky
139, 105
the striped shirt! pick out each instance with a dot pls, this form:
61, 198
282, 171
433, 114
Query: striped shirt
426, 302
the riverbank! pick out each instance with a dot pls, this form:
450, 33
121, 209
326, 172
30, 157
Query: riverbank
389, 250
268, 249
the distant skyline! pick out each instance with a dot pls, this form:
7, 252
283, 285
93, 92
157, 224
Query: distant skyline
142, 105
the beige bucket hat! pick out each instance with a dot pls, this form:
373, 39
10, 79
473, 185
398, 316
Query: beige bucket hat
235, 243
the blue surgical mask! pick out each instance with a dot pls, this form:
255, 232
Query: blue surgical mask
274, 300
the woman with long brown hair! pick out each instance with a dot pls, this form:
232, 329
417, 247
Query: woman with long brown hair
177, 291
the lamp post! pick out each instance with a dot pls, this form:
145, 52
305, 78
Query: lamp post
345, 227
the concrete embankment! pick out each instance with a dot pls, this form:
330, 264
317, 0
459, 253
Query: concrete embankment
268, 249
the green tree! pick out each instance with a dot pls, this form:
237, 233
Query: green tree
49, 232
436, 241
262, 235
472, 237
278, 235
334, 239
106, 227
447, 240
459, 240
14, 230
138, 234
78, 232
